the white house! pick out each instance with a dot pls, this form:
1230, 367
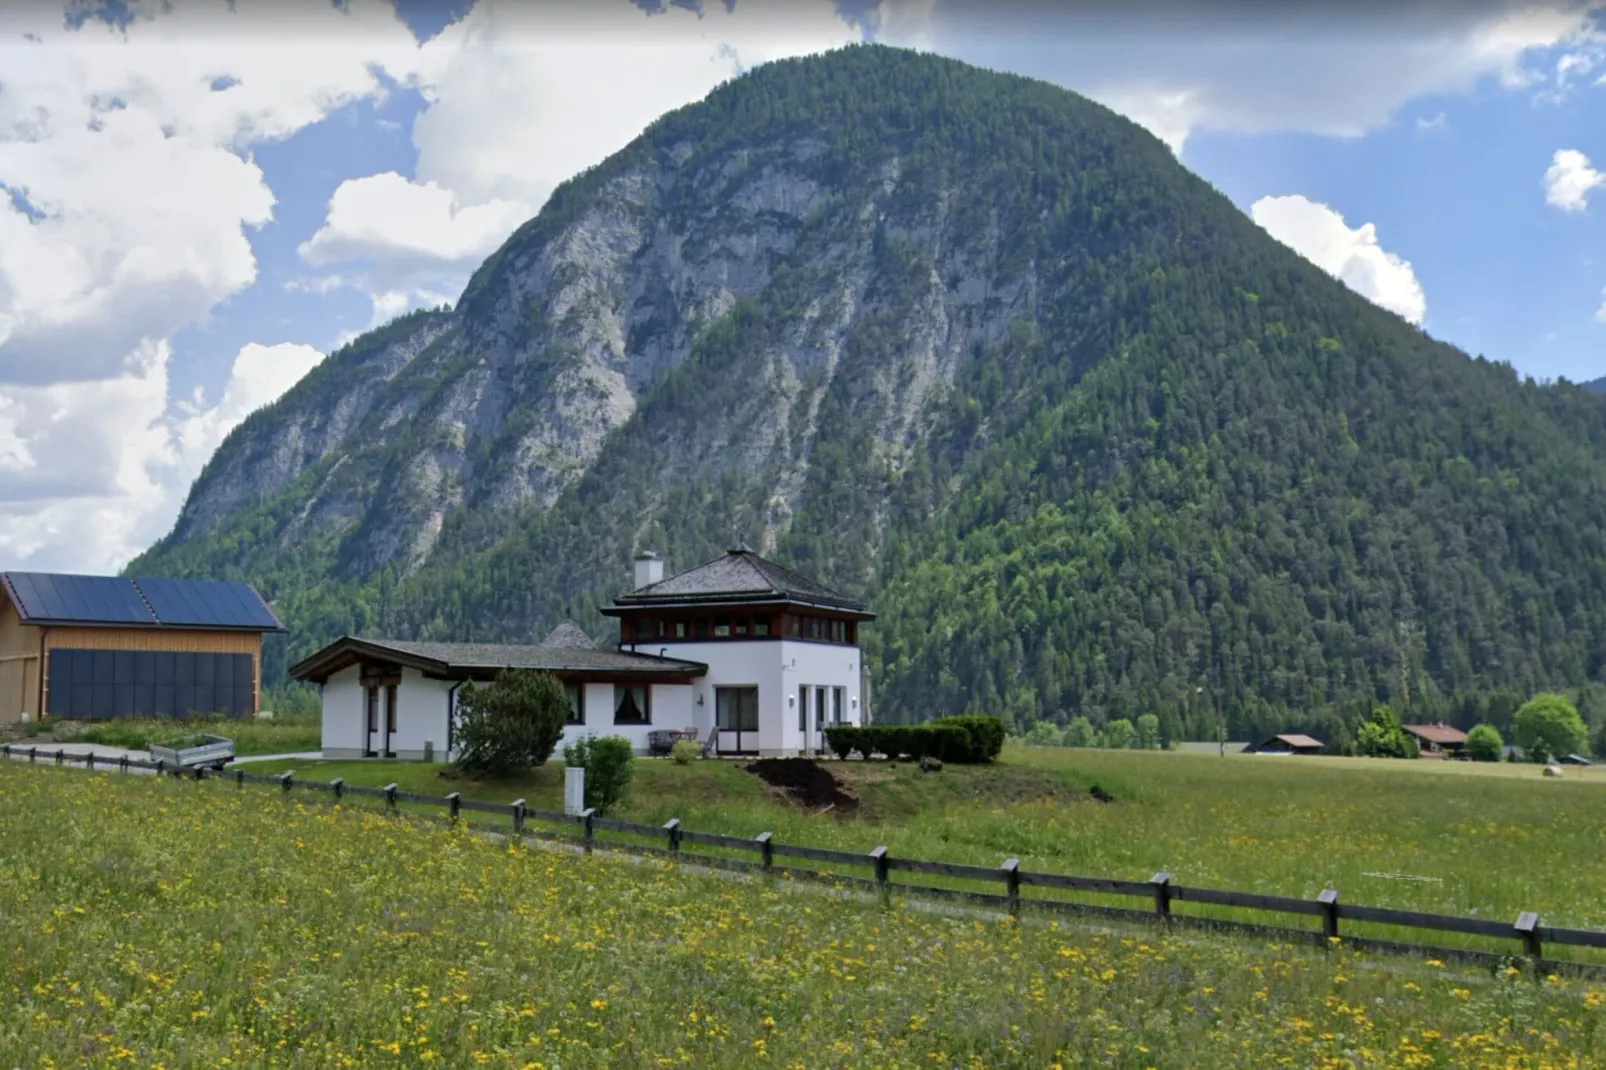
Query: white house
739, 646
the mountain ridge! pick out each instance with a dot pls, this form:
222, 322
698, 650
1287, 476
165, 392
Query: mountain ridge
972, 346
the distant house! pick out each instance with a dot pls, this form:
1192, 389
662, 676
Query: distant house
739, 648
1437, 740
1287, 743
102, 647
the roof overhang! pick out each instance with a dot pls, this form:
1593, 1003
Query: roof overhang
626, 604
350, 650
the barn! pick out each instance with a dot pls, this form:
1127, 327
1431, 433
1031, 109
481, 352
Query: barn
102, 647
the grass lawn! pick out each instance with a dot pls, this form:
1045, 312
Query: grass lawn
1446, 837
282, 735
184, 924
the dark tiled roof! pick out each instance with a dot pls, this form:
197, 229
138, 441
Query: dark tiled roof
740, 574
568, 634
448, 657
55, 599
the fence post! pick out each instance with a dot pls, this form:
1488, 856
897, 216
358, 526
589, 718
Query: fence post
454, 802
518, 817
1528, 931
672, 830
33, 755
766, 849
1012, 885
339, 786
1162, 896
61, 755
239, 779
1329, 902
878, 858
200, 772
390, 796
287, 780
89, 761
122, 763
591, 833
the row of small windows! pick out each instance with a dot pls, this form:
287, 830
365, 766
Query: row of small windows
644, 628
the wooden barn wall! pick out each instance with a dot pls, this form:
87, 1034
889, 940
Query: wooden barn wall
19, 665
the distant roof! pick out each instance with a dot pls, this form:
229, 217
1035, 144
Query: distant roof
472, 658
1437, 733
1292, 739
47, 598
739, 576
569, 634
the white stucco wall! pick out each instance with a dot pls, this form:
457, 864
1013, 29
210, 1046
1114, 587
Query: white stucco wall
670, 706
777, 668
343, 715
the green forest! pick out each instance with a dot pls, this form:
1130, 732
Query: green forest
1196, 477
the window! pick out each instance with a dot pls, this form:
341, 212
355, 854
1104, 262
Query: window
680, 629
722, 626
577, 703
630, 705
736, 709
838, 633
819, 707
840, 702
761, 626
739, 627
793, 624
803, 708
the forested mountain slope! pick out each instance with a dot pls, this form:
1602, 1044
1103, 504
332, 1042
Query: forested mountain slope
971, 346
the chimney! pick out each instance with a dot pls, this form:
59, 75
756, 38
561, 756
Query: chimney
649, 569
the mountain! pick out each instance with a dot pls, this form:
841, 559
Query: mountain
1596, 385
977, 349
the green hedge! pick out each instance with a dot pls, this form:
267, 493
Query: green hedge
958, 740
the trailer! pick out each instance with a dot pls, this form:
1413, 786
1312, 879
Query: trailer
195, 751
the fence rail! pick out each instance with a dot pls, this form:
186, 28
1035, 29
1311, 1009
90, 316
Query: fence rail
1159, 892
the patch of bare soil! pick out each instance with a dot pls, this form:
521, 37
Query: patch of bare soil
805, 782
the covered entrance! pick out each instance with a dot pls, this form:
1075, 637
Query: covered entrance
379, 697
736, 718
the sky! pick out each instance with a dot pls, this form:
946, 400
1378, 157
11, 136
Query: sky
200, 200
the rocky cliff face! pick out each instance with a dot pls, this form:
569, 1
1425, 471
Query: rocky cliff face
500, 405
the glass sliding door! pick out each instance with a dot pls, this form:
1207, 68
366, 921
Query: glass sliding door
736, 717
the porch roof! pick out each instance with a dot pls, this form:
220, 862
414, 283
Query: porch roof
479, 659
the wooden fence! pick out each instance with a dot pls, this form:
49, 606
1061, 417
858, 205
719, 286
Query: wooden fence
1159, 894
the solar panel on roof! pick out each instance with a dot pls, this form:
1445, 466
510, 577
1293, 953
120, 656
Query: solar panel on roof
207, 603
101, 599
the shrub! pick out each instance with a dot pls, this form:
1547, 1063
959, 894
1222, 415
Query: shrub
986, 735
843, 739
1382, 737
949, 743
1043, 734
509, 725
1119, 734
609, 762
1079, 733
1484, 744
1548, 726
685, 751
1148, 732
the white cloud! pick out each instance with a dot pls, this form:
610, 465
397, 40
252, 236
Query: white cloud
1600, 313
1569, 180
126, 154
1438, 122
1254, 68
1352, 255
523, 96
94, 470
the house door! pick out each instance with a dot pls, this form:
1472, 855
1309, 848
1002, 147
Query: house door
736, 718
381, 721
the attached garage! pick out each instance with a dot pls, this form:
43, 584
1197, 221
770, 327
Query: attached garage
104, 647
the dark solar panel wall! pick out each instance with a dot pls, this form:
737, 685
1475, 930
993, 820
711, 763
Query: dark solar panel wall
104, 599
206, 603
104, 684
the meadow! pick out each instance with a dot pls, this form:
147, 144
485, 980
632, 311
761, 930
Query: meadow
284, 734
159, 922
1454, 838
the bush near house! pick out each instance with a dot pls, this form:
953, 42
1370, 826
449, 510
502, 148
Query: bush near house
609, 762
684, 752
959, 740
1484, 744
510, 725
1383, 737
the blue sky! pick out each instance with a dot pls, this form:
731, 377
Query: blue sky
192, 220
